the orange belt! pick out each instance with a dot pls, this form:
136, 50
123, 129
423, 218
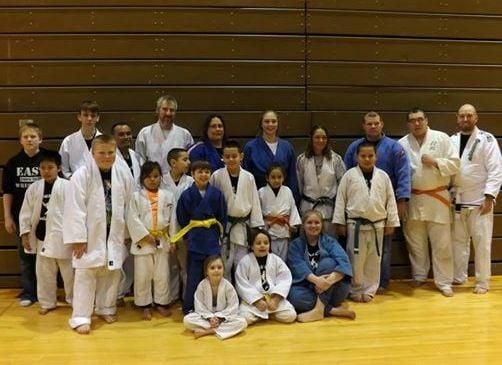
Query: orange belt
282, 220
434, 193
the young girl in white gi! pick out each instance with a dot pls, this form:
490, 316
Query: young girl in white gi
148, 220
279, 210
263, 281
366, 204
40, 226
216, 304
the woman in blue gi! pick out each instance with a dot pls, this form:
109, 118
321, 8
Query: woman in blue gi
321, 273
213, 139
268, 148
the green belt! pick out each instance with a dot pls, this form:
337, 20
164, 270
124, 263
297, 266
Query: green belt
362, 222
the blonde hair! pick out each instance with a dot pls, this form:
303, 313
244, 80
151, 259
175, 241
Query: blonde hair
102, 139
30, 125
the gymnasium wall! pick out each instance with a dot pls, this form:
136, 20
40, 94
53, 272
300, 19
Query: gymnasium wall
315, 61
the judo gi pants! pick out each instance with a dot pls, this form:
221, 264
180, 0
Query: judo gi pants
280, 246
418, 234
385, 264
177, 271
126, 275
229, 327
151, 269
95, 285
303, 296
470, 224
285, 314
235, 255
366, 263
47, 286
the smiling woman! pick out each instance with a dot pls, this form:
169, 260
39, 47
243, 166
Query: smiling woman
213, 139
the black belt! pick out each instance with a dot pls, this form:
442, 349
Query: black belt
237, 220
362, 222
323, 200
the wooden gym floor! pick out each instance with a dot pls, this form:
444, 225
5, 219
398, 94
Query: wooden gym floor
404, 326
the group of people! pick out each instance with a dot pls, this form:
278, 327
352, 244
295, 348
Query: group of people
245, 234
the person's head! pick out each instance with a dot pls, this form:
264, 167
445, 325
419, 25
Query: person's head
269, 123
50, 166
103, 151
232, 155
417, 122
166, 110
275, 175
259, 243
151, 175
214, 129
178, 160
318, 143
366, 156
122, 133
312, 224
372, 126
30, 137
467, 118
201, 172
213, 268
88, 114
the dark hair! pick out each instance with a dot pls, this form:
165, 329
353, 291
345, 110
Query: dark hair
174, 154
365, 144
50, 156
274, 166
231, 143
147, 168
209, 260
200, 165
413, 111
260, 129
254, 233
206, 124
112, 130
309, 151
371, 114
89, 106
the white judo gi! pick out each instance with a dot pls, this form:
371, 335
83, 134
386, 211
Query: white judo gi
227, 305
429, 215
480, 174
153, 143
178, 259
244, 203
52, 254
74, 152
150, 262
97, 272
248, 283
378, 205
283, 208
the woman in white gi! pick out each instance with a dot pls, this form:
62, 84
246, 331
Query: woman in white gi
148, 220
216, 304
319, 171
263, 281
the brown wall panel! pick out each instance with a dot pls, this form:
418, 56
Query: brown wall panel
49, 73
9, 261
497, 225
371, 23
154, 20
149, 46
212, 3
403, 50
10, 148
9, 281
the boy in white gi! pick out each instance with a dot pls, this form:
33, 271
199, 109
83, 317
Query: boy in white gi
41, 231
75, 148
243, 204
365, 210
94, 224
476, 185
433, 161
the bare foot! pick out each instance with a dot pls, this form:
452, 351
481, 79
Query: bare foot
356, 298
381, 290
366, 298
147, 314
447, 292
121, 302
44, 311
202, 332
479, 290
108, 318
458, 282
342, 312
163, 310
416, 283
84, 329
315, 314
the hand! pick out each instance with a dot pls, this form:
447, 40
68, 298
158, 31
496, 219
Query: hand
402, 210
172, 247
273, 302
429, 161
214, 322
79, 249
334, 277
25, 240
388, 230
149, 239
261, 305
341, 230
10, 225
322, 284
487, 206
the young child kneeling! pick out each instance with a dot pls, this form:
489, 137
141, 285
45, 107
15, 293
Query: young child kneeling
216, 304
263, 281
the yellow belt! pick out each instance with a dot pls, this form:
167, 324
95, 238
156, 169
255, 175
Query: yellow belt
160, 233
206, 223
